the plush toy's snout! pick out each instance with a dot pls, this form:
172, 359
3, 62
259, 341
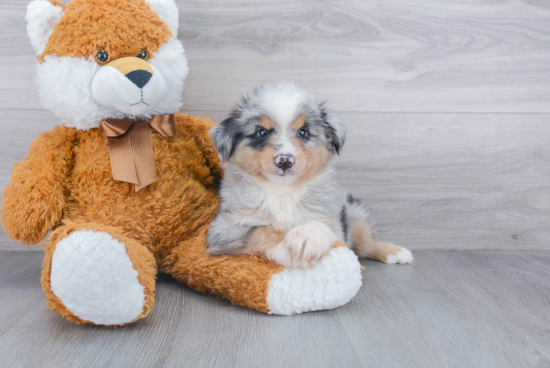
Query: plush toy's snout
135, 69
129, 84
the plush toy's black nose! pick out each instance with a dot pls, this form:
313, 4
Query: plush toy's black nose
284, 161
139, 77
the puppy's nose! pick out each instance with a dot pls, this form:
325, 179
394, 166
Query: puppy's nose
284, 161
139, 77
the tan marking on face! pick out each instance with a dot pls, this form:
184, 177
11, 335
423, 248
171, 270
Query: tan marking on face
299, 122
309, 161
257, 163
262, 240
266, 122
120, 27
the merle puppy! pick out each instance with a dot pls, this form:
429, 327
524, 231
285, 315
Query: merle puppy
279, 196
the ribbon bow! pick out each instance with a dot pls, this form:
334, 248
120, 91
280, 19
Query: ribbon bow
131, 147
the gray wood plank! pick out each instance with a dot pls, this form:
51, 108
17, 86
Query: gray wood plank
433, 181
452, 181
485, 309
395, 55
452, 309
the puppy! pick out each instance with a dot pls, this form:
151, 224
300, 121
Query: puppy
279, 196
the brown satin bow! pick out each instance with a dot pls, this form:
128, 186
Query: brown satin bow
131, 147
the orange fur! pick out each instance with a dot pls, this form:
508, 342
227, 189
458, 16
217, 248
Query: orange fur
65, 184
120, 27
242, 279
34, 202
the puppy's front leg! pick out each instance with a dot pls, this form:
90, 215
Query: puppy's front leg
263, 239
303, 245
226, 237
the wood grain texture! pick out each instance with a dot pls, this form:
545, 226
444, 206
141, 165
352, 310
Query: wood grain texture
449, 180
449, 309
433, 181
395, 55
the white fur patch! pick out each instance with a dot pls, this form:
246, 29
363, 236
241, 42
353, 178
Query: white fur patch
404, 256
333, 282
65, 87
168, 12
112, 89
280, 203
171, 62
93, 276
41, 17
303, 245
281, 101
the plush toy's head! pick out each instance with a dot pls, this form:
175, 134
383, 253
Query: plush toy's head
100, 59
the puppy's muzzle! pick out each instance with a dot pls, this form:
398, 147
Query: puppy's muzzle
284, 162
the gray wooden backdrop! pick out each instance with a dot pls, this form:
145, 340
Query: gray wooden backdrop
447, 103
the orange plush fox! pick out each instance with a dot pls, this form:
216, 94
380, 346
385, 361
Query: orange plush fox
128, 188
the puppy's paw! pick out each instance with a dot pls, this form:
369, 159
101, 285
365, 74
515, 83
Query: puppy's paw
385, 252
399, 256
303, 245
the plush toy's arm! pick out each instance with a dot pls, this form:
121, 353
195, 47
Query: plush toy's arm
34, 200
198, 128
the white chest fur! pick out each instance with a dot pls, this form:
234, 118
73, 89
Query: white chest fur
271, 205
284, 209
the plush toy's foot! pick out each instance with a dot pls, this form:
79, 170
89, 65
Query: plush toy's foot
334, 280
95, 274
266, 286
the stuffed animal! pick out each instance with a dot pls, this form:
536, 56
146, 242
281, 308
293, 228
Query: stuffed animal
127, 188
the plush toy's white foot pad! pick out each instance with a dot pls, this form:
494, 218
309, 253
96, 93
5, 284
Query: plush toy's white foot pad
331, 283
94, 278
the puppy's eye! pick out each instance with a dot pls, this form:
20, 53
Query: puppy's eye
303, 133
102, 57
262, 133
143, 55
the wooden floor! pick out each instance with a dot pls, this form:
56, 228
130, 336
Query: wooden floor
449, 309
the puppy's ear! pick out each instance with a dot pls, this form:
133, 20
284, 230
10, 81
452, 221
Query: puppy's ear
226, 138
334, 130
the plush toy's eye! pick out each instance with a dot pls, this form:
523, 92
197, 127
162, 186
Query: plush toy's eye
303, 133
143, 55
262, 133
102, 57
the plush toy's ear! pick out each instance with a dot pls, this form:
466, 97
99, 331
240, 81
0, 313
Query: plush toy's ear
168, 12
41, 18
335, 131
